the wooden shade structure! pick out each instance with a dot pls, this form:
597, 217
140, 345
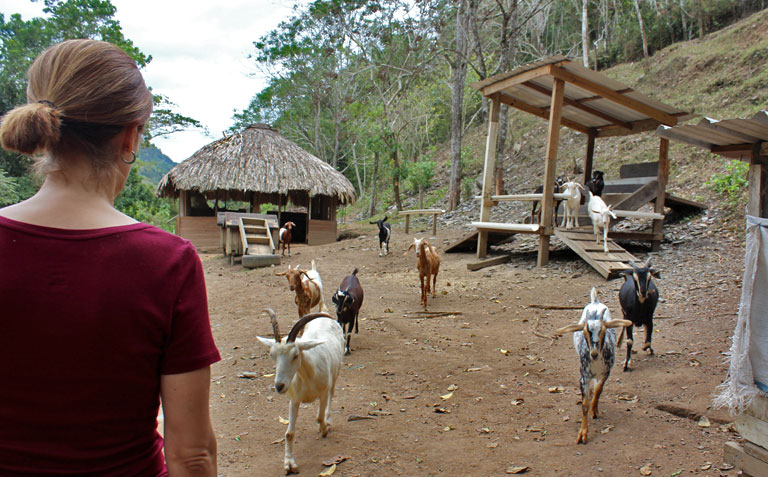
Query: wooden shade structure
567, 94
258, 166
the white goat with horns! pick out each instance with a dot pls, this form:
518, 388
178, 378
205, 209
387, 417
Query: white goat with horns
306, 369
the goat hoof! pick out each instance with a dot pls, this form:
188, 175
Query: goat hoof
290, 467
347, 353
627, 369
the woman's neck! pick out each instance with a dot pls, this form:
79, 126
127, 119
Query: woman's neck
71, 201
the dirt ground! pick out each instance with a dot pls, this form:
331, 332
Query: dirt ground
490, 386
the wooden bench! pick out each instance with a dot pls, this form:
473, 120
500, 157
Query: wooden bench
433, 212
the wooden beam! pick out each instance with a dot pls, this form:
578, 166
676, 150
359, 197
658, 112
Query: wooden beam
590, 155
757, 189
540, 112
489, 167
595, 98
553, 139
743, 148
488, 263
578, 105
639, 198
489, 90
607, 93
640, 236
663, 178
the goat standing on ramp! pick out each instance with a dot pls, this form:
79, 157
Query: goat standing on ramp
638, 297
594, 338
306, 369
348, 299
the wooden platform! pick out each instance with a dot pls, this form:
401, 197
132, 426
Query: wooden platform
607, 264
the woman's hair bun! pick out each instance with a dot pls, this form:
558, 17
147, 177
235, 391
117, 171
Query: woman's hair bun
31, 128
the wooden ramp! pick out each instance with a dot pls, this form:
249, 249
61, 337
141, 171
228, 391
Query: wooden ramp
607, 264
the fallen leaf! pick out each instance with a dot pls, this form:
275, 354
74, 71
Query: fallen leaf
359, 418
627, 397
517, 402
646, 469
283, 420
704, 421
555, 389
517, 469
446, 396
441, 410
453, 387
247, 375
448, 428
504, 351
566, 418
706, 466
267, 375
606, 429
279, 441
328, 471
726, 466
484, 430
694, 362
472, 370
335, 460
411, 397
493, 445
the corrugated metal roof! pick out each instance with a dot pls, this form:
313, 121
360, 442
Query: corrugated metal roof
592, 100
729, 137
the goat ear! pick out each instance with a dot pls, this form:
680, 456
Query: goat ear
268, 342
335, 299
305, 345
655, 273
617, 323
569, 328
625, 273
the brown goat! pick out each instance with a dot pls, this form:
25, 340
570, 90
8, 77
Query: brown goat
284, 237
308, 287
428, 265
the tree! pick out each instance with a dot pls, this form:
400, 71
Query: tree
585, 33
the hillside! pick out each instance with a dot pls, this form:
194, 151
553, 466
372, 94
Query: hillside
722, 76
153, 163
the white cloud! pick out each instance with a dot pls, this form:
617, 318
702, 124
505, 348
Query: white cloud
199, 55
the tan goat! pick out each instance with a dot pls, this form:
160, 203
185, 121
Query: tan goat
308, 287
429, 265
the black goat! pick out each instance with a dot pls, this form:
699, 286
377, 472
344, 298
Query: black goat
535, 216
385, 232
348, 299
596, 184
638, 298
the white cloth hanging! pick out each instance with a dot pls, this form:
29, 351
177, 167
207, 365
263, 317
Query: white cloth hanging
748, 372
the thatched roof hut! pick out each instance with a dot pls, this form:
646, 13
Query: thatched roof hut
257, 160
257, 166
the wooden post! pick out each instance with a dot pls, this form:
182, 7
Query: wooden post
407, 223
309, 214
434, 225
553, 139
757, 200
590, 155
279, 207
663, 178
488, 169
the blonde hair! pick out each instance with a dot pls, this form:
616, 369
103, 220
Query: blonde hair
80, 94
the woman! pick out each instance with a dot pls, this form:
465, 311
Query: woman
101, 315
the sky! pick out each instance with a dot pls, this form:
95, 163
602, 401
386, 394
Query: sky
199, 56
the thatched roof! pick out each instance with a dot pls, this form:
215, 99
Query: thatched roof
257, 160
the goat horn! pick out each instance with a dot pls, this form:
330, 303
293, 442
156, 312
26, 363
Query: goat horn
275, 327
294, 333
648, 263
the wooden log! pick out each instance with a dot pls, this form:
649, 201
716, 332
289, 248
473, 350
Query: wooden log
488, 169
663, 178
639, 198
488, 263
737, 457
553, 140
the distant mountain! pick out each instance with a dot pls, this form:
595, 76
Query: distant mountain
154, 164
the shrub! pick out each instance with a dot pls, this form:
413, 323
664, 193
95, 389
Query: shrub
732, 184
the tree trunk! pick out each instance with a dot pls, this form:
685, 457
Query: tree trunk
508, 46
642, 29
421, 196
374, 180
585, 32
396, 178
357, 170
686, 36
457, 101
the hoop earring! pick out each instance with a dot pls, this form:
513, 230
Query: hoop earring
131, 161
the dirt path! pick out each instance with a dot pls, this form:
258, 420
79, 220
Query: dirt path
514, 384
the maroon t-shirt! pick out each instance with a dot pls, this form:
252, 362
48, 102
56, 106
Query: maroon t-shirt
89, 320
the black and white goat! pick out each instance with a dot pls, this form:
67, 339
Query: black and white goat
306, 369
597, 183
348, 299
594, 338
536, 215
638, 298
385, 232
